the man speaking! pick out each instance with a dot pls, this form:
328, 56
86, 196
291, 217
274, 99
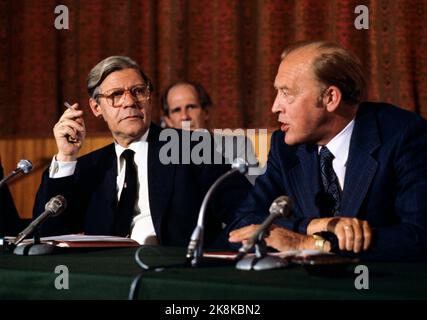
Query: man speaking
356, 171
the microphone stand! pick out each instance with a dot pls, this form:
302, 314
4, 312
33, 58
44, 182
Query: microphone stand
6, 179
36, 248
261, 260
195, 247
24, 166
54, 207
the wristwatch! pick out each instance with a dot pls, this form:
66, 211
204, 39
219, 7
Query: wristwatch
323, 236
319, 242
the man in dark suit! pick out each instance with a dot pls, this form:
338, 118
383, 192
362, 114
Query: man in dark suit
10, 223
131, 188
357, 172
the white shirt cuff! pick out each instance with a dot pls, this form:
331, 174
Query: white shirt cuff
59, 169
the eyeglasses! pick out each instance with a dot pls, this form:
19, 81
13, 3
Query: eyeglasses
140, 93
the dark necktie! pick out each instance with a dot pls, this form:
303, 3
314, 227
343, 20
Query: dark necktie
126, 205
331, 188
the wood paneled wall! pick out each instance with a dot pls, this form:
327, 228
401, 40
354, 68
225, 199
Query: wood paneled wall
40, 152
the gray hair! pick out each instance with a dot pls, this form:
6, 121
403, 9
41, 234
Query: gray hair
109, 65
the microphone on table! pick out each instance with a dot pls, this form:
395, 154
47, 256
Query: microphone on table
195, 247
280, 207
24, 166
54, 207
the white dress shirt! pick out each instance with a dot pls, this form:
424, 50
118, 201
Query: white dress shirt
143, 228
339, 146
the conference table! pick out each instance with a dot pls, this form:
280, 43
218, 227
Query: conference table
108, 273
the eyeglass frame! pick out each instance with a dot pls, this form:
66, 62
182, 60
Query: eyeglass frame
110, 99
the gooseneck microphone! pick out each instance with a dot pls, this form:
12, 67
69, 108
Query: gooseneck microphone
195, 247
53, 207
280, 207
24, 166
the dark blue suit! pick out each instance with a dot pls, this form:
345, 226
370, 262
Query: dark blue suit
385, 182
176, 192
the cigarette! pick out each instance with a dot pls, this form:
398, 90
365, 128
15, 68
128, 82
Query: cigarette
69, 138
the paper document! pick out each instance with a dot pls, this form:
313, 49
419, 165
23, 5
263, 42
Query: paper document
88, 241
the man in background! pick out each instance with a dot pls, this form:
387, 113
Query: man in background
186, 101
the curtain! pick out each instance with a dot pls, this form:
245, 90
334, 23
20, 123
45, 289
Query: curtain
231, 47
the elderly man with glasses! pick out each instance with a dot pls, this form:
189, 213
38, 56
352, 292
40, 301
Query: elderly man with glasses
125, 188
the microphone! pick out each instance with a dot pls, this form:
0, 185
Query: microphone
53, 207
195, 247
240, 165
279, 208
24, 166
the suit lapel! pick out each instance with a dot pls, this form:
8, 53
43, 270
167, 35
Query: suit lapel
160, 180
304, 179
361, 165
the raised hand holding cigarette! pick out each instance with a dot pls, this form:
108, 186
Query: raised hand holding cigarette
70, 133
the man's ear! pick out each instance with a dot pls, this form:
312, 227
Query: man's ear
96, 109
168, 121
332, 98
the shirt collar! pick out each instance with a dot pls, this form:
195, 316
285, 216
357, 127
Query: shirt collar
339, 146
135, 145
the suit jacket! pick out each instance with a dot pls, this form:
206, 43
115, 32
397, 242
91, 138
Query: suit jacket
176, 192
10, 223
385, 182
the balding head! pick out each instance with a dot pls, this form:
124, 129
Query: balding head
333, 66
186, 101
